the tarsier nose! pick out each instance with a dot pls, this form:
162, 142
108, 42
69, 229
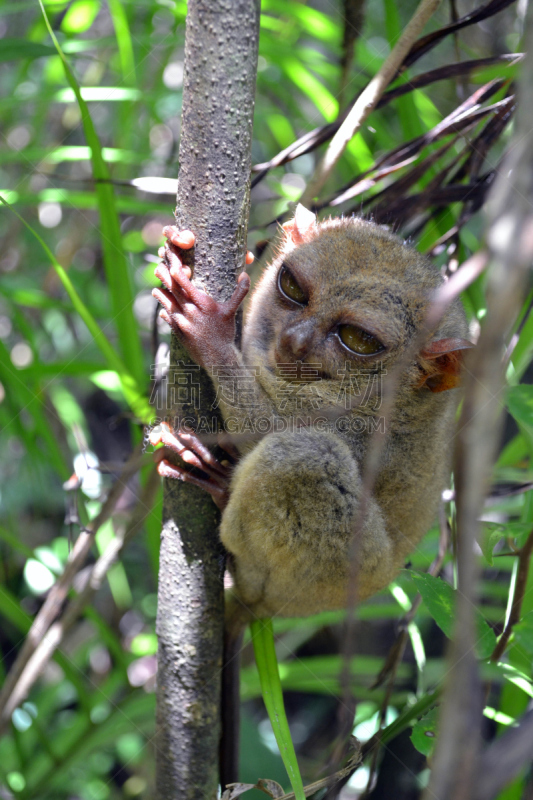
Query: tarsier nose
297, 339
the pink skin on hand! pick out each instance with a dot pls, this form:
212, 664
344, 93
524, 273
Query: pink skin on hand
188, 446
207, 328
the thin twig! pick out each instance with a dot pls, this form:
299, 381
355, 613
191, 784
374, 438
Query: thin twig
56, 597
368, 99
458, 764
395, 655
504, 759
52, 639
524, 560
445, 295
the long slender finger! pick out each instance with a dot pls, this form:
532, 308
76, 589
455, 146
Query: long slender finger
167, 300
162, 272
214, 479
189, 448
187, 271
183, 441
184, 239
178, 322
191, 458
193, 443
182, 449
168, 470
170, 256
241, 290
168, 253
194, 295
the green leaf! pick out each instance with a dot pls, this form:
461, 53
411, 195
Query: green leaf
520, 405
80, 16
116, 266
32, 402
98, 94
493, 532
126, 205
321, 97
132, 393
320, 674
523, 350
281, 129
11, 610
425, 731
408, 715
490, 535
74, 152
11, 49
439, 598
265, 656
441, 601
523, 633
144, 644
124, 42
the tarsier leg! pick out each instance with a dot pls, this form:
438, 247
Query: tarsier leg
291, 521
194, 453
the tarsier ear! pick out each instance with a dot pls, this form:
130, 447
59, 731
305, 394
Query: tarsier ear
441, 363
303, 223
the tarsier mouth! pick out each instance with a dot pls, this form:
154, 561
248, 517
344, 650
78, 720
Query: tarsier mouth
298, 370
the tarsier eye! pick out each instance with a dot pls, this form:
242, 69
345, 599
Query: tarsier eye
290, 288
359, 341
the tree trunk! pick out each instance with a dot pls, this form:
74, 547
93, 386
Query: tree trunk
213, 201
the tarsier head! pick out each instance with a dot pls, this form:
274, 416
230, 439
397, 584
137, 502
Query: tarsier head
347, 295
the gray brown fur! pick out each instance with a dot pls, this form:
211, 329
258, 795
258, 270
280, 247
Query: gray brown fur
294, 498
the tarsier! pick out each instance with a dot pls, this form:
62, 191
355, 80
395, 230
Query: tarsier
331, 316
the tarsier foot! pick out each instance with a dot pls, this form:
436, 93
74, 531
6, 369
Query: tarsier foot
207, 328
190, 449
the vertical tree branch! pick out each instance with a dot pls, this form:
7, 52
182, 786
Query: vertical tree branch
456, 769
213, 200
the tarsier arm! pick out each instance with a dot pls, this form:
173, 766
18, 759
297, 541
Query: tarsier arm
206, 327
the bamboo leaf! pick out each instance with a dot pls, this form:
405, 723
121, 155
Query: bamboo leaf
265, 656
440, 599
117, 273
12, 49
133, 394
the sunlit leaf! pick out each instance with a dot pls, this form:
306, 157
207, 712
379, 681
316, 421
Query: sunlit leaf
441, 600
80, 16
520, 404
265, 655
424, 732
523, 633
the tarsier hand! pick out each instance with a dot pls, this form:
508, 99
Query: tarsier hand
207, 328
193, 453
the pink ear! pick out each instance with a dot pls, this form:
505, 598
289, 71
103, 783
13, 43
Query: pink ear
441, 364
303, 224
